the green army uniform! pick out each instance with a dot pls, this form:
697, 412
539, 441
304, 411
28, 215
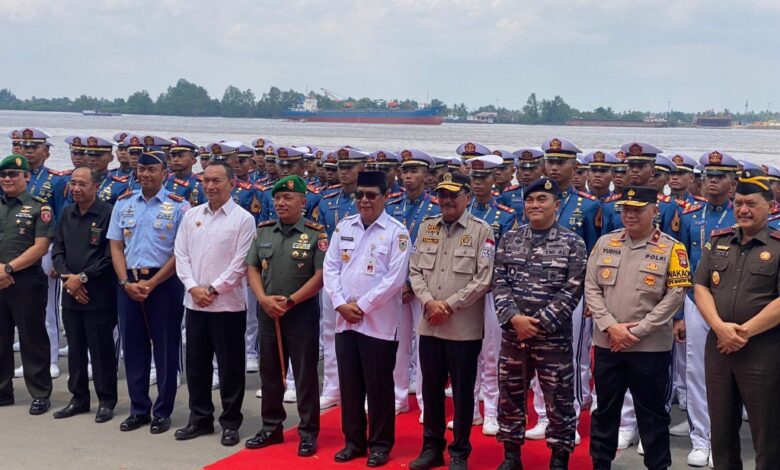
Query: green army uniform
288, 256
23, 219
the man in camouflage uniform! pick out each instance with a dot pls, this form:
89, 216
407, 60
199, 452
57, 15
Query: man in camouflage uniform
538, 281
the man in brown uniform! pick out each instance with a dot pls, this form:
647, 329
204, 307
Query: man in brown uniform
736, 291
635, 283
450, 271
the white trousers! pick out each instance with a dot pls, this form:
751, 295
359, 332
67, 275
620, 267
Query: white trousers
582, 337
406, 357
330, 379
52, 307
696, 330
487, 367
252, 327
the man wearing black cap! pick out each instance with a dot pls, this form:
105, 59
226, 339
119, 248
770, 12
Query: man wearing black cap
365, 269
142, 234
285, 274
27, 228
450, 272
635, 283
736, 291
538, 281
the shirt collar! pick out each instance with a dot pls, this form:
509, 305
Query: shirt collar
381, 220
762, 236
653, 238
93, 209
298, 226
225, 208
160, 195
24, 197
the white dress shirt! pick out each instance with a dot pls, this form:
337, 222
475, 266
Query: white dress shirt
210, 251
369, 266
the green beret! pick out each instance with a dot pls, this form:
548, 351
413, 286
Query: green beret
292, 183
15, 162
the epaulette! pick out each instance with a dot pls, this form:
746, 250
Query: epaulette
199, 177
60, 172
613, 198
312, 189
42, 200
682, 203
775, 234
505, 208
664, 198
399, 193
121, 179
333, 186
125, 195
433, 217
586, 195
314, 225
722, 231
435, 200
330, 195
495, 192
267, 187
175, 197
181, 182
700, 198
266, 223
511, 188
692, 208
244, 184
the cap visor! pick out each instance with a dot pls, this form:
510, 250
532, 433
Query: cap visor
632, 203
449, 187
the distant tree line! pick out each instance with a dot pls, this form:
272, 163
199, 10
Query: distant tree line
189, 99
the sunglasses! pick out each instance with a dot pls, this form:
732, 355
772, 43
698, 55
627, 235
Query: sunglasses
370, 195
9, 174
30, 146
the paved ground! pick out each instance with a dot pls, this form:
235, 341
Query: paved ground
37, 442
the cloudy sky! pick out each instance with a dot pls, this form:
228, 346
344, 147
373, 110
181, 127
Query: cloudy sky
628, 54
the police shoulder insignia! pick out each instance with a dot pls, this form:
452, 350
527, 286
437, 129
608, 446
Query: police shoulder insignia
125, 195
175, 197
613, 198
120, 179
722, 231
435, 200
266, 223
312, 189
506, 208
57, 172
586, 195
244, 184
700, 198
181, 182
199, 177
314, 225
512, 188
692, 208
331, 195
399, 193
664, 198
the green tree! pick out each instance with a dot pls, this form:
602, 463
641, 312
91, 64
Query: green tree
139, 103
237, 103
186, 99
8, 100
555, 111
531, 110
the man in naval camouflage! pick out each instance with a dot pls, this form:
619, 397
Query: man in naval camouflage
537, 283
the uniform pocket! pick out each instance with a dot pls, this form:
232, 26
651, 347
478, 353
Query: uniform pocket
464, 260
651, 279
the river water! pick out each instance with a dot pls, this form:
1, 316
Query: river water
759, 146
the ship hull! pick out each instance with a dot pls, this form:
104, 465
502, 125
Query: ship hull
421, 117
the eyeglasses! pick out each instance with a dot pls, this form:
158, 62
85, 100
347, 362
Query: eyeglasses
444, 194
370, 195
9, 174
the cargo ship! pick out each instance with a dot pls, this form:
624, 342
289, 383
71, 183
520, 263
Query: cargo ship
720, 120
309, 111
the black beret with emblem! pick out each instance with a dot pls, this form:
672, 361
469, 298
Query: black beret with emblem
544, 185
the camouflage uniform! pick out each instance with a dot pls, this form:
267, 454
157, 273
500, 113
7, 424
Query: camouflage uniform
541, 278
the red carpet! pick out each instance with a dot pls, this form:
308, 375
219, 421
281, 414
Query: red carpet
487, 453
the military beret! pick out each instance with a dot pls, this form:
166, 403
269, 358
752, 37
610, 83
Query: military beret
291, 183
544, 185
751, 181
14, 162
638, 196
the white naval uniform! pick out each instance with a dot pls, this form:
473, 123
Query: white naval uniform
52, 308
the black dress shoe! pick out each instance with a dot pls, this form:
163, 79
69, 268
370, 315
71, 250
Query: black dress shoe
307, 447
160, 425
264, 439
458, 463
229, 437
104, 414
191, 431
70, 410
39, 406
7, 401
134, 422
346, 454
377, 459
428, 458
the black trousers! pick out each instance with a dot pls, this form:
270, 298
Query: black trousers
23, 305
220, 334
441, 359
366, 367
93, 331
750, 376
300, 348
646, 374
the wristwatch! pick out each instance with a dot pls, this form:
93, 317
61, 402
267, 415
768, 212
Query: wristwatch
83, 278
8, 268
122, 283
211, 290
290, 302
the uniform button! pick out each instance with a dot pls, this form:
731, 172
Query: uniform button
442, 270
734, 288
